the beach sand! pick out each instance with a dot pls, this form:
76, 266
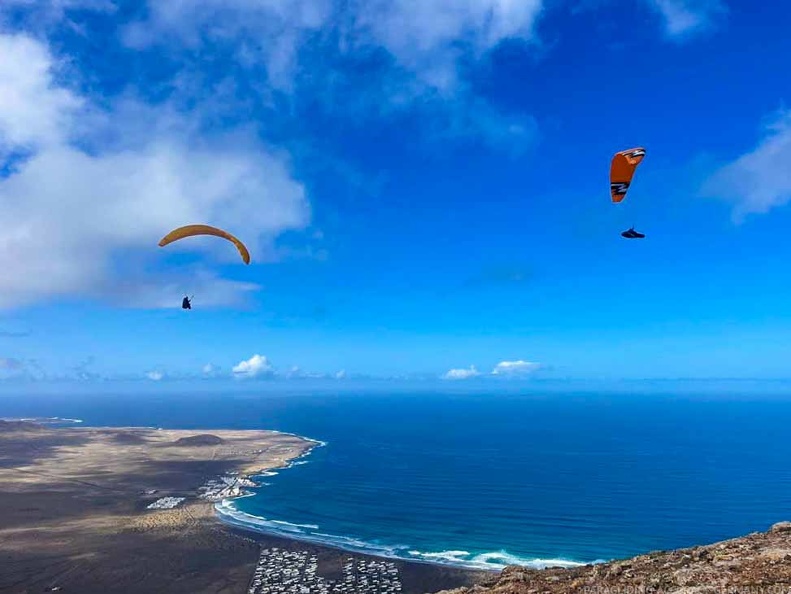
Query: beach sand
73, 512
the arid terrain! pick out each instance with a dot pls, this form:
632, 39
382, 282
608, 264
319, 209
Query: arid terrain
74, 517
759, 563
73, 508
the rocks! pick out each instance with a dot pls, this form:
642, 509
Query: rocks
700, 554
781, 527
731, 566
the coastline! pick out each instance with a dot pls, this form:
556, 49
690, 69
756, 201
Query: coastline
227, 513
416, 570
92, 510
74, 516
417, 576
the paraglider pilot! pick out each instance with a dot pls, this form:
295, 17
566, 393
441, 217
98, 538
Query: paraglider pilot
185, 303
632, 234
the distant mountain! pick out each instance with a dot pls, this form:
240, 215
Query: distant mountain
204, 439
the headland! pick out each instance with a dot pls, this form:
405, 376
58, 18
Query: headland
93, 510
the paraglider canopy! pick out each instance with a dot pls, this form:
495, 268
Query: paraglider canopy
192, 230
622, 170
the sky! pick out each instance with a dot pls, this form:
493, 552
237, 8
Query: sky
423, 187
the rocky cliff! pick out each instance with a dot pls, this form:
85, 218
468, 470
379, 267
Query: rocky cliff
757, 563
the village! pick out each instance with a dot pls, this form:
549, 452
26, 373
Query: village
166, 503
227, 486
288, 572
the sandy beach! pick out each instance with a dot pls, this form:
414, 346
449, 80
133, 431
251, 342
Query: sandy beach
74, 512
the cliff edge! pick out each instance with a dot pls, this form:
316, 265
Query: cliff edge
757, 563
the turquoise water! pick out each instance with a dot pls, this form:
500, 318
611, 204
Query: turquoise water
489, 479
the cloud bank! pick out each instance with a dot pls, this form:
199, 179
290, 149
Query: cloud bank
515, 368
73, 203
508, 369
462, 374
683, 19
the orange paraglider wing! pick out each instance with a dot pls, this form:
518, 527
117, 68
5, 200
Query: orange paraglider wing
191, 230
622, 170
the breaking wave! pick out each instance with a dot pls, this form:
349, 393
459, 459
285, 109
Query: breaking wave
490, 560
494, 560
43, 420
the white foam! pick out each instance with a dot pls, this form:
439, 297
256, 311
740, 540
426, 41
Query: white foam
283, 523
494, 560
456, 556
501, 559
42, 419
229, 514
318, 443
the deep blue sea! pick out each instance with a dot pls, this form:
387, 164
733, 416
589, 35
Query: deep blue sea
488, 479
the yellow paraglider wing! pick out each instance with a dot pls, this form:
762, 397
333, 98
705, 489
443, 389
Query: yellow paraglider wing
191, 230
622, 170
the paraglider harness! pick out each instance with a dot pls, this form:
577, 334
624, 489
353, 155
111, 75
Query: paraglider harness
632, 234
185, 303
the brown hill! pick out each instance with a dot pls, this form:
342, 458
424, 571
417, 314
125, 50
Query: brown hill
204, 439
759, 562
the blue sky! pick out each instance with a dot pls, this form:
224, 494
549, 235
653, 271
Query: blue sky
423, 187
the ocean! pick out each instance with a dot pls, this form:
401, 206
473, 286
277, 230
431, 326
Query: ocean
486, 479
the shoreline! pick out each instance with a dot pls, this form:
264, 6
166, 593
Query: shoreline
231, 516
99, 509
254, 530
240, 478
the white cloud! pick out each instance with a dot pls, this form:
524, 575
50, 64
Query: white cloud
262, 31
760, 179
462, 374
683, 18
155, 376
12, 368
43, 13
67, 210
427, 38
32, 111
296, 372
425, 41
59, 6
255, 366
82, 371
515, 368
139, 289
471, 117
210, 370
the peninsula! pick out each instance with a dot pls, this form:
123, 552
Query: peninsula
96, 510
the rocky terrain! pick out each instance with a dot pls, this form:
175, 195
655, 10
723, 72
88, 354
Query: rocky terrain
757, 563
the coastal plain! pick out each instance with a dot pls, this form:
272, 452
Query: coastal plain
75, 516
